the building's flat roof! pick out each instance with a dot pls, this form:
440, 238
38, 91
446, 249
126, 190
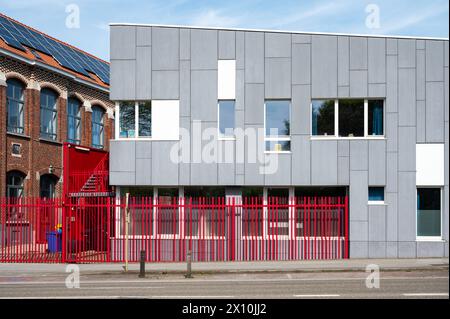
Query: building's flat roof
277, 31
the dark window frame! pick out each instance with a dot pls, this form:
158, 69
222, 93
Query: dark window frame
73, 103
98, 126
19, 102
45, 108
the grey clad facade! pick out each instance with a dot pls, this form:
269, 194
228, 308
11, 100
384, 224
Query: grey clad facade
182, 73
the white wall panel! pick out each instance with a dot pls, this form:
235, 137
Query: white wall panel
226, 79
165, 119
429, 164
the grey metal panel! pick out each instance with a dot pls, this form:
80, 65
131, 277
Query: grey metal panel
420, 75
324, 66
165, 85
391, 132
377, 60
203, 49
254, 169
144, 172
324, 162
406, 53
446, 56
240, 50
185, 88
420, 118
343, 170
407, 148
122, 154
164, 170
358, 53
301, 160
123, 80
391, 47
254, 57
143, 149
359, 230
227, 45
254, 104
377, 162
277, 45
278, 169
407, 249
445, 210
407, 206
300, 110
406, 97
392, 84
377, 90
240, 179
165, 48
430, 249
358, 83
240, 90
143, 73
184, 173
420, 44
358, 195
377, 223
277, 78
204, 95
391, 172
446, 96
122, 178
226, 174
343, 61
358, 155
377, 249
343, 148
185, 44
226, 162
143, 36
343, 91
391, 201
359, 249
434, 60
391, 250
434, 109
301, 38
122, 42
301, 64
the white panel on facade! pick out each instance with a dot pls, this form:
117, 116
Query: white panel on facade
226, 79
165, 119
430, 164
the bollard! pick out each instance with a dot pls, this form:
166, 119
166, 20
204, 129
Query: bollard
189, 266
142, 267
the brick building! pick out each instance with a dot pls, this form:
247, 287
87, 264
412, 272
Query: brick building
50, 93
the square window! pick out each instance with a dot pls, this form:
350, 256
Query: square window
226, 118
375, 117
322, 117
376, 194
351, 117
429, 212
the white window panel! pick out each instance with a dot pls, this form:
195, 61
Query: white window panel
430, 164
165, 120
226, 79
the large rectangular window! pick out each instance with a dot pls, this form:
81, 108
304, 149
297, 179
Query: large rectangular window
322, 117
145, 119
127, 120
226, 118
375, 117
351, 118
277, 125
429, 212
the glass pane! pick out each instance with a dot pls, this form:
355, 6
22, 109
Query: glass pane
127, 118
278, 146
376, 193
323, 117
351, 118
278, 118
226, 118
428, 212
375, 117
278, 215
145, 119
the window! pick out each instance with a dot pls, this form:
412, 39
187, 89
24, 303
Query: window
97, 127
14, 184
15, 109
48, 114
375, 109
168, 213
376, 195
73, 121
127, 120
277, 125
323, 117
252, 211
429, 212
226, 118
47, 185
351, 118
278, 215
145, 119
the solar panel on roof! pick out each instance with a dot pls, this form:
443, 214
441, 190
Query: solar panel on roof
16, 35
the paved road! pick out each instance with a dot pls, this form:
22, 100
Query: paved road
393, 284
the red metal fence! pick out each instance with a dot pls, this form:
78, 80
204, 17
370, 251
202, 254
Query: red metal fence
107, 229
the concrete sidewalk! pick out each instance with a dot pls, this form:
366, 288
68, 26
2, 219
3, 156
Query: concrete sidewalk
238, 267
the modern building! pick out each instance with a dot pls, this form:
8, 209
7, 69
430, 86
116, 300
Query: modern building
231, 112
51, 93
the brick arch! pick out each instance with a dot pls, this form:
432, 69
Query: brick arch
52, 86
99, 103
18, 76
77, 96
16, 168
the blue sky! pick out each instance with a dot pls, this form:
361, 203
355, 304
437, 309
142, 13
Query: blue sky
396, 17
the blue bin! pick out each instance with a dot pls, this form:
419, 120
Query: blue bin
54, 241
